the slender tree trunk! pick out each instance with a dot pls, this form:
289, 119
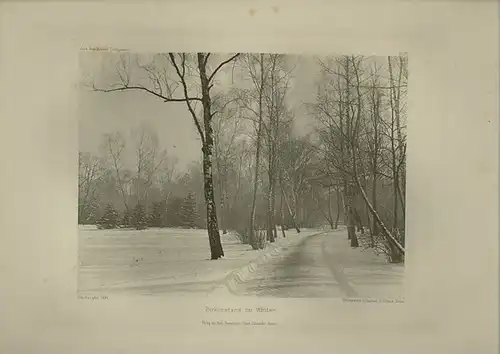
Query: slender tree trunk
351, 233
275, 231
376, 149
271, 224
365, 208
402, 204
349, 217
272, 142
207, 149
269, 233
402, 174
291, 213
344, 130
394, 172
339, 202
225, 211
396, 206
344, 205
330, 217
299, 212
374, 231
351, 129
254, 195
282, 215
257, 157
275, 175
397, 250
374, 203
357, 219
393, 242
395, 136
270, 210
327, 216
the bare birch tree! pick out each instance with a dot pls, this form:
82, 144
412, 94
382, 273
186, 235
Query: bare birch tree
157, 81
258, 71
278, 118
295, 166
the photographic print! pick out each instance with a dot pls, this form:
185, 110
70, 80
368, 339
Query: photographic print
243, 177
248, 174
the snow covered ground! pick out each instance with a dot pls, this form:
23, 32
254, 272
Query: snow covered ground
368, 274
161, 261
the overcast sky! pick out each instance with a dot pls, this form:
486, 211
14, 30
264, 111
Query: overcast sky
102, 113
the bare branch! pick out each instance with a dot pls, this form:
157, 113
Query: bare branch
142, 88
221, 65
181, 75
206, 59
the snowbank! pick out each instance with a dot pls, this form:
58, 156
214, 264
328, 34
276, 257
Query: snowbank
230, 283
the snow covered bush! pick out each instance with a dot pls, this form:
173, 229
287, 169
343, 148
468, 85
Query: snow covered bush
109, 219
139, 217
188, 213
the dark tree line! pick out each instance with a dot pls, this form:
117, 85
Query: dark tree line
145, 192
179, 212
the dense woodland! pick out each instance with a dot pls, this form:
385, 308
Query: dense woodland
257, 175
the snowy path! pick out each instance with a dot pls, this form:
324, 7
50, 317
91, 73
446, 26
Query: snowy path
324, 266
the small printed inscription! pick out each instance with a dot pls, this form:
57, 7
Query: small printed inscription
238, 323
387, 301
102, 49
93, 297
239, 310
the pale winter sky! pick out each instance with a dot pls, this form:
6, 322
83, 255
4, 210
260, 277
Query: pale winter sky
102, 113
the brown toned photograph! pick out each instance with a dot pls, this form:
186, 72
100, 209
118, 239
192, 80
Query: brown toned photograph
254, 174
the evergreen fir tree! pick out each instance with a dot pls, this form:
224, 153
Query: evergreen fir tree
127, 219
188, 213
109, 219
173, 212
156, 217
139, 217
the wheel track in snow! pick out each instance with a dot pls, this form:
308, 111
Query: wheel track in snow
295, 265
